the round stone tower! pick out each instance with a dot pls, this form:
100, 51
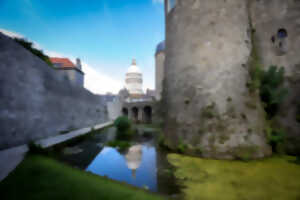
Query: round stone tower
159, 68
209, 107
134, 79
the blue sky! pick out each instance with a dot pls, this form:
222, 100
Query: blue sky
105, 34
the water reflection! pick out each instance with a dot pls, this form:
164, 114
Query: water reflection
134, 158
136, 167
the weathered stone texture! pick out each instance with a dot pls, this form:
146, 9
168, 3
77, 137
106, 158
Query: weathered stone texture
269, 16
36, 103
207, 50
159, 73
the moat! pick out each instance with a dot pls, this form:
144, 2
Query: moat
143, 164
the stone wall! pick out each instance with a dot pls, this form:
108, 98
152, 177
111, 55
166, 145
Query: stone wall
114, 108
159, 73
209, 108
35, 102
268, 17
74, 76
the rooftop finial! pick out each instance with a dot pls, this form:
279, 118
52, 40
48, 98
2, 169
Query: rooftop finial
133, 62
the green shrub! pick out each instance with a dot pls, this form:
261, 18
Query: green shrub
28, 45
124, 128
161, 140
181, 147
275, 138
122, 123
271, 91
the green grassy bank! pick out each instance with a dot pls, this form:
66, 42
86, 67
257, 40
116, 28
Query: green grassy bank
276, 178
41, 178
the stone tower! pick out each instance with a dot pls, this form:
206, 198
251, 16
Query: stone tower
159, 68
209, 107
277, 39
134, 79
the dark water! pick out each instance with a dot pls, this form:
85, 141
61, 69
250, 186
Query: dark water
142, 165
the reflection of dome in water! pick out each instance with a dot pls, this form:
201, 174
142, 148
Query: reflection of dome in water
134, 157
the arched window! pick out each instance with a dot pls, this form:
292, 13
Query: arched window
280, 42
171, 4
282, 33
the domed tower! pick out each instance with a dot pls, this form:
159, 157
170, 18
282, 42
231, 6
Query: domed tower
159, 68
134, 79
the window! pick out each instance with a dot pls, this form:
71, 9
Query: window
280, 42
171, 4
282, 33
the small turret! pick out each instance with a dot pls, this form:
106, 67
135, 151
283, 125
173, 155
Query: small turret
78, 63
133, 62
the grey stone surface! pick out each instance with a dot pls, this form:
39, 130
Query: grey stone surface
268, 16
36, 103
159, 69
208, 46
10, 158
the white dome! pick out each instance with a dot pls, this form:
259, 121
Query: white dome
134, 157
134, 79
134, 69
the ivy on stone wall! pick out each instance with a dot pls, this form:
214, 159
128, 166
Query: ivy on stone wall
29, 46
272, 92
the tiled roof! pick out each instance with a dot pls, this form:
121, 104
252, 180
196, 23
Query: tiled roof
65, 62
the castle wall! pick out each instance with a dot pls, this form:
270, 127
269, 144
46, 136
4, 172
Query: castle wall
72, 75
159, 73
35, 102
207, 52
269, 16
114, 108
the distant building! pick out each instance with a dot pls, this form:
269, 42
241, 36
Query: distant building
134, 80
159, 69
132, 101
69, 70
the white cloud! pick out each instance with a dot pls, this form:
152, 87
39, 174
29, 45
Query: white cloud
11, 33
99, 83
18, 35
94, 80
158, 1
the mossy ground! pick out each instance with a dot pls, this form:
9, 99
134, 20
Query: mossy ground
276, 178
39, 177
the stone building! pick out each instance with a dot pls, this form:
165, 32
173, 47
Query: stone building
69, 70
132, 101
159, 68
134, 80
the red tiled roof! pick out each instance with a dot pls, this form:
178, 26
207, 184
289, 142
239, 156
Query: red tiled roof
65, 62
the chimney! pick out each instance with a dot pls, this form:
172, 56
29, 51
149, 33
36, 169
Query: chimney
78, 63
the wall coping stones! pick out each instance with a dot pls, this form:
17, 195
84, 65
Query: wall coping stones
12, 157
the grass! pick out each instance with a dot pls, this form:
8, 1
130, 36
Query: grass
39, 177
276, 178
